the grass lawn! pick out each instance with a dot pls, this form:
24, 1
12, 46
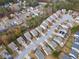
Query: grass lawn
1, 57
9, 50
69, 44
56, 53
75, 29
50, 57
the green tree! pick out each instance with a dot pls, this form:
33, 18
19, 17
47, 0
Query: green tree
32, 3
75, 29
73, 1
2, 2
3, 10
75, 4
61, 5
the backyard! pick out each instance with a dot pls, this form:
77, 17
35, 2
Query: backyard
75, 29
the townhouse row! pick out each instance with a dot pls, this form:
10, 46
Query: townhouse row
52, 32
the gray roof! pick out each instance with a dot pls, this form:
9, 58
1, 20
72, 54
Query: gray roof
46, 22
59, 40
48, 19
63, 11
53, 44
34, 32
74, 53
55, 15
76, 46
13, 46
39, 29
67, 17
77, 39
47, 49
62, 32
44, 25
58, 12
27, 35
66, 57
5, 54
39, 54
21, 40
70, 11
77, 33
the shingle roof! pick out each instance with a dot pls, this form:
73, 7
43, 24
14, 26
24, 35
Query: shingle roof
12, 46
76, 46
59, 40
21, 40
77, 33
66, 57
39, 54
34, 32
74, 53
39, 29
27, 35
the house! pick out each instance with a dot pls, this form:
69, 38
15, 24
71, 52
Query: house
75, 14
66, 18
27, 41
65, 26
39, 54
46, 48
40, 30
4, 53
63, 11
65, 56
14, 7
28, 36
75, 47
49, 19
52, 17
59, 13
34, 33
27, 57
44, 26
2, 27
47, 22
52, 44
55, 16
22, 41
13, 46
70, 12
77, 19
73, 54
59, 40
62, 32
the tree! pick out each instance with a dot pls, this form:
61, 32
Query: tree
75, 29
17, 32
75, 4
61, 5
32, 3
5, 39
3, 2
48, 8
56, 53
3, 11
73, 1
